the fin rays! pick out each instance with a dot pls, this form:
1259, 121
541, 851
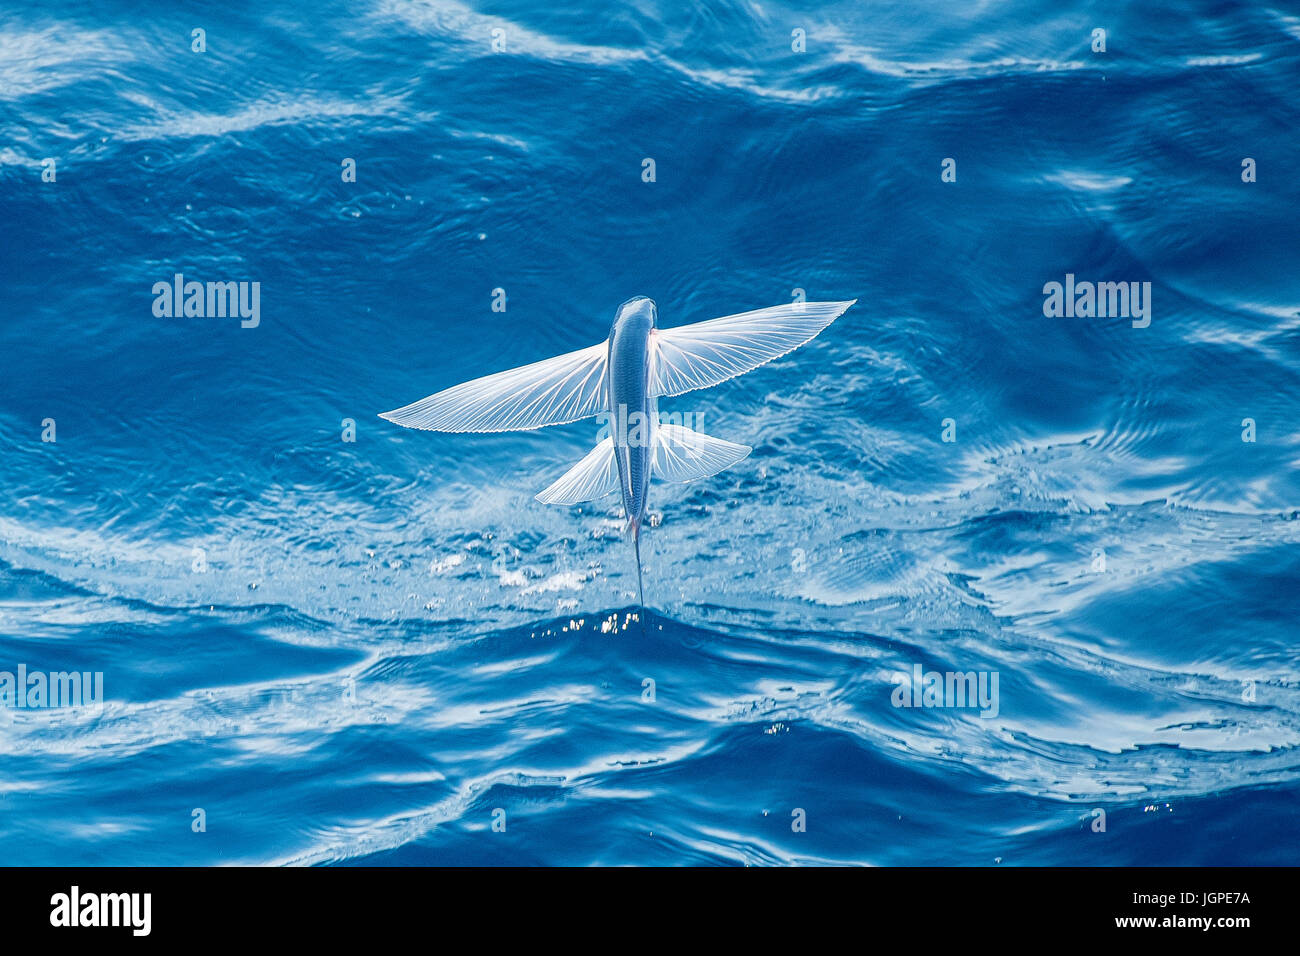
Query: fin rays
555, 391
691, 357
595, 476
681, 454
571, 387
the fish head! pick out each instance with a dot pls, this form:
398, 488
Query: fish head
635, 317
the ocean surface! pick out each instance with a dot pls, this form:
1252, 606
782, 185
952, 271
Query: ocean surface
324, 639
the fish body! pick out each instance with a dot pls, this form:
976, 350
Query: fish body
634, 411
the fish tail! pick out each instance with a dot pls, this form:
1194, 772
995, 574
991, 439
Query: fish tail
636, 546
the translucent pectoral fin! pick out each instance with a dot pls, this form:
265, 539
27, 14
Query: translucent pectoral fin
681, 454
593, 477
563, 389
706, 353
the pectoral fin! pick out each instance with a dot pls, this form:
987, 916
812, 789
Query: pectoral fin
566, 388
705, 353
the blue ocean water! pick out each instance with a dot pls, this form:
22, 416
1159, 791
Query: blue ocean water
383, 650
